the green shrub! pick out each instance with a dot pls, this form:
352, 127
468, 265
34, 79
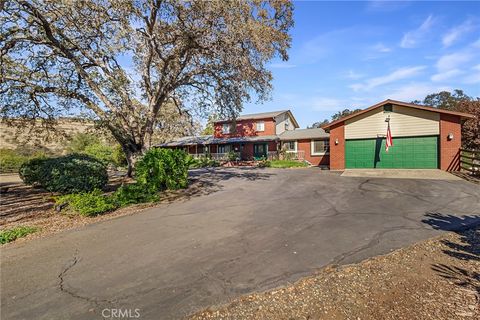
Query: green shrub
264, 163
101, 152
232, 156
32, 172
163, 169
118, 157
133, 194
10, 235
87, 203
67, 174
10, 160
203, 162
81, 141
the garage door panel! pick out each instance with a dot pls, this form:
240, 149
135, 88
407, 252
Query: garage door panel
407, 153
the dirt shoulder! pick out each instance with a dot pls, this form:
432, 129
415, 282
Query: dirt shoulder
435, 279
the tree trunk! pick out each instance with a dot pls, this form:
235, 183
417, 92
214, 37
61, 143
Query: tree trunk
132, 155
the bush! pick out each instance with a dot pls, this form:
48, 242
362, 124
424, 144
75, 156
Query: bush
203, 162
101, 152
133, 194
118, 157
66, 174
86, 143
163, 169
81, 141
264, 163
232, 156
10, 160
87, 203
10, 235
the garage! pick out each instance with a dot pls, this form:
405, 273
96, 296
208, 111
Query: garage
422, 138
408, 153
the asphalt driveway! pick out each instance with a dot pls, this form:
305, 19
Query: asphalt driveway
251, 229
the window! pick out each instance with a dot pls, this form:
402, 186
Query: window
290, 146
320, 147
224, 148
261, 126
227, 128
287, 123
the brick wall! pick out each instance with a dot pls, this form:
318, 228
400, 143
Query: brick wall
246, 128
337, 151
306, 145
450, 149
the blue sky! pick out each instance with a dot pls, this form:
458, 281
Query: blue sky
354, 54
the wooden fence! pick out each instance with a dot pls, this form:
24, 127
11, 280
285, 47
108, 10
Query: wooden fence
470, 161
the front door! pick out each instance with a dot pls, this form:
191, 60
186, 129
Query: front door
260, 151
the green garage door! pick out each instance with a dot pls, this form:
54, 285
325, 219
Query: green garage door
406, 153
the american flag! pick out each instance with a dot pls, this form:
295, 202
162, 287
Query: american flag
389, 142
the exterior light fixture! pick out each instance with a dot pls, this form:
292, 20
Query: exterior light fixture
336, 141
450, 136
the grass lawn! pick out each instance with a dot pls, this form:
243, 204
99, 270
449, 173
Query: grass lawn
287, 164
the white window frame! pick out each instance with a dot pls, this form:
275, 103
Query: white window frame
295, 143
312, 144
226, 128
261, 124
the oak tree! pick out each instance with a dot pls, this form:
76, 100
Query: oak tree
121, 62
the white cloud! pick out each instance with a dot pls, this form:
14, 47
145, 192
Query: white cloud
282, 65
453, 60
338, 41
399, 74
386, 6
352, 75
326, 104
457, 32
380, 47
473, 77
413, 37
414, 91
442, 76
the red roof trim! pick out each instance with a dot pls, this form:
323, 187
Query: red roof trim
399, 103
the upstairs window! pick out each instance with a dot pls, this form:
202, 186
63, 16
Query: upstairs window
320, 147
227, 128
260, 126
287, 124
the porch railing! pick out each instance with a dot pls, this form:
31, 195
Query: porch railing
294, 155
215, 156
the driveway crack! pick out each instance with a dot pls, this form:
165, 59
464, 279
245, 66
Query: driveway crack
63, 288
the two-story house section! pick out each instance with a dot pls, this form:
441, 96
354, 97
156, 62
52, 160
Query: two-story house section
252, 136
259, 135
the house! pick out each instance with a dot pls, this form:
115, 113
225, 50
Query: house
423, 137
257, 136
